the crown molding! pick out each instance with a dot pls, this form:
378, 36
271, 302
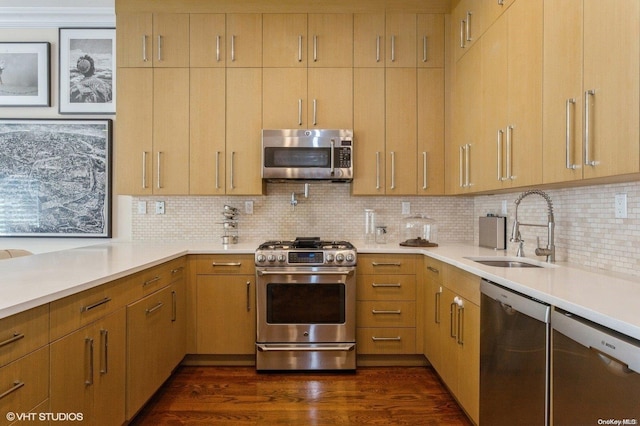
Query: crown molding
44, 17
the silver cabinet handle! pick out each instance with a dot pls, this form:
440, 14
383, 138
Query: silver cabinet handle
217, 169
500, 2
379, 312
177, 270
151, 281
393, 48
214, 264
154, 308
299, 112
233, 48
377, 169
218, 48
587, 128
509, 152
467, 169
460, 338
16, 336
315, 112
16, 385
452, 325
462, 37
233, 160
432, 269
437, 307
468, 26
159, 174
88, 354
95, 305
499, 143
144, 48
377, 48
425, 172
398, 264
248, 296
567, 136
461, 161
393, 170
299, 48
174, 306
386, 285
386, 339
159, 48
315, 48
144, 169
104, 355
424, 48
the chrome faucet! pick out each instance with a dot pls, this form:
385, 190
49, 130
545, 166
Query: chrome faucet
550, 250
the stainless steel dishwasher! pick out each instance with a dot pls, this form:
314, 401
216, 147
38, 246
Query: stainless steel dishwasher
514, 358
596, 373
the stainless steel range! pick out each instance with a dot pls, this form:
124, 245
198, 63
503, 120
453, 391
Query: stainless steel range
306, 305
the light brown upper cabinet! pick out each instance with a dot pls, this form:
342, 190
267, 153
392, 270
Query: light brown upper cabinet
369, 40
207, 40
430, 41
244, 40
284, 42
153, 40
400, 30
430, 165
591, 89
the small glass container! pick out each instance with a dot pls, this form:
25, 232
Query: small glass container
369, 226
381, 234
419, 229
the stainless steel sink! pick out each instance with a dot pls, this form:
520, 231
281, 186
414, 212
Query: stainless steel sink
509, 262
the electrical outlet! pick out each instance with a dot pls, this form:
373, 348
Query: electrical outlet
621, 206
406, 207
248, 207
142, 207
504, 208
159, 207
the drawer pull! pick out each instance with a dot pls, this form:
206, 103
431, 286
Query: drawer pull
214, 264
104, 355
395, 285
386, 339
432, 269
16, 385
88, 350
386, 264
151, 281
95, 305
16, 336
377, 312
155, 308
177, 270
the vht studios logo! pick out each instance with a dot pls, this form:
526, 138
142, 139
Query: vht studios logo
44, 417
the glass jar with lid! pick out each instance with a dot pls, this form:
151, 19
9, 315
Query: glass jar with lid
419, 230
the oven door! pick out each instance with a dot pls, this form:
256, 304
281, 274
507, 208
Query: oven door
309, 305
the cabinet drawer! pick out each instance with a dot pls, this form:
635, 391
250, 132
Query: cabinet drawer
386, 314
386, 287
22, 333
386, 341
433, 270
225, 264
155, 278
24, 384
463, 283
386, 264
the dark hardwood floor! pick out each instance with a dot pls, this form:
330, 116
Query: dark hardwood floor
240, 396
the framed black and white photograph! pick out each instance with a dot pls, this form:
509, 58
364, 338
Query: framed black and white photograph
25, 74
87, 71
55, 178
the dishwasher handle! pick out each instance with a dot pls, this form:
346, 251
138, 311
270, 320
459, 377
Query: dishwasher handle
526, 305
610, 343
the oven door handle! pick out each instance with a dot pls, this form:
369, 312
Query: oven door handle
346, 347
346, 273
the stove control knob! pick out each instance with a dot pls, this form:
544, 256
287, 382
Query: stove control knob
271, 258
282, 258
330, 258
339, 257
261, 258
350, 257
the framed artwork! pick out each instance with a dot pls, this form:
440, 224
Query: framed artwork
55, 178
87, 70
24, 74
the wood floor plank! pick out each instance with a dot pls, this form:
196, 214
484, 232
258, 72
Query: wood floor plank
240, 396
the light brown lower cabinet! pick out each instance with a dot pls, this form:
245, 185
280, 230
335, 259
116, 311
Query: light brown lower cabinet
88, 371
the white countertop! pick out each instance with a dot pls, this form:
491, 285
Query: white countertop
26, 282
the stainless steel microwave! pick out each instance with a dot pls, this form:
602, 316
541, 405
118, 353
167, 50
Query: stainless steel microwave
319, 154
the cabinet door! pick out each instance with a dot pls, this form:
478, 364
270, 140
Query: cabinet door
284, 40
170, 40
611, 71
368, 124
401, 131
134, 41
177, 327
431, 131
330, 40
369, 40
134, 132
285, 102
244, 125
448, 345
226, 318
330, 94
171, 131
401, 40
430, 41
244, 40
207, 40
469, 360
433, 322
207, 131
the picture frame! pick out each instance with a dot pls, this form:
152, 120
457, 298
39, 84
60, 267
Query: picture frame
87, 73
55, 178
25, 77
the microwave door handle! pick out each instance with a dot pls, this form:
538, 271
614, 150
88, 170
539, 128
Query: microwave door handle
333, 145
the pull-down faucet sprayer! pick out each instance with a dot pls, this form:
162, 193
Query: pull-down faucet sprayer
550, 250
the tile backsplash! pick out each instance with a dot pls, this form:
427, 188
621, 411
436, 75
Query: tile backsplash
586, 232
